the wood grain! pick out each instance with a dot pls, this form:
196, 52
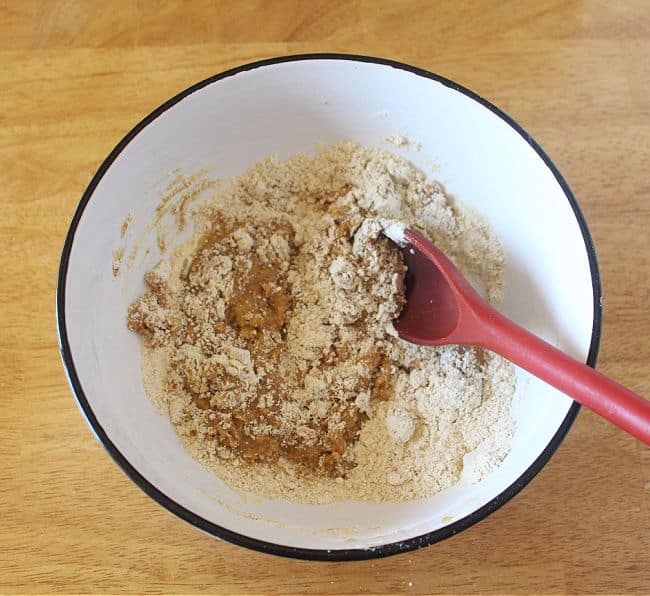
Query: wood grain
77, 75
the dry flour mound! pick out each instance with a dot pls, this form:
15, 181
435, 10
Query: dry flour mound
268, 337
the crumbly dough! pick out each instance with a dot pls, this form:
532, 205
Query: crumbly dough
268, 337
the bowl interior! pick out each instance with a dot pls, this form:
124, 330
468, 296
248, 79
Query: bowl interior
288, 107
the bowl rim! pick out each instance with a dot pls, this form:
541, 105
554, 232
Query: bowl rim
221, 532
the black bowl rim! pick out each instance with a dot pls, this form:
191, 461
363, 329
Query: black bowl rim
281, 549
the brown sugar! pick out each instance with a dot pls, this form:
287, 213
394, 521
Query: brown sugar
240, 396
268, 338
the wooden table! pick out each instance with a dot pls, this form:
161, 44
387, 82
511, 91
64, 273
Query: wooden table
76, 76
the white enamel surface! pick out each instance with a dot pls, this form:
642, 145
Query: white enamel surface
286, 108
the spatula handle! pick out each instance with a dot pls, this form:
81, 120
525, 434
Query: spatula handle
612, 401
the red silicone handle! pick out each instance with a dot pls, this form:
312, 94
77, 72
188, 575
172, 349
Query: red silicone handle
612, 401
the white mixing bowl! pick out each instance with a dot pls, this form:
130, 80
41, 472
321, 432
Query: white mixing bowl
288, 105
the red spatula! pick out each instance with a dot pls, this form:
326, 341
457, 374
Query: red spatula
443, 308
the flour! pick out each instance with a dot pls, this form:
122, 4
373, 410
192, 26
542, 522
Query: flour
268, 337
